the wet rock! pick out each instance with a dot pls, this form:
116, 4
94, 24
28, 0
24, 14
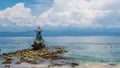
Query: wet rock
4, 54
113, 64
56, 64
7, 61
19, 62
74, 64
31, 62
60, 51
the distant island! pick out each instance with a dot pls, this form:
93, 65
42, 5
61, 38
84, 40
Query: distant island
66, 32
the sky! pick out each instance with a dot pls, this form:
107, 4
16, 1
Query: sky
21, 15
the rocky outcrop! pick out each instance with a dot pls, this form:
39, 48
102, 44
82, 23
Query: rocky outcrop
54, 57
26, 54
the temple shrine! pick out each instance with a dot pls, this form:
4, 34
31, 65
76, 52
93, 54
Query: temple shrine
38, 42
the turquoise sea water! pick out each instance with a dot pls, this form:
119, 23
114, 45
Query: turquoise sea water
80, 48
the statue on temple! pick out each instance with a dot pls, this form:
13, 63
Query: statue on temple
38, 42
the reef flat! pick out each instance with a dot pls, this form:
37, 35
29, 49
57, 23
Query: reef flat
33, 54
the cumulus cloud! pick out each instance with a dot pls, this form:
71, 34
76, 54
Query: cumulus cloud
81, 13
16, 16
66, 13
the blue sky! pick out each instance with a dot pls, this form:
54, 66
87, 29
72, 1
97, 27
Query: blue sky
23, 15
43, 4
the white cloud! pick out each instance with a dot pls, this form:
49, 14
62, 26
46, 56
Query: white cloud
79, 13
16, 16
65, 13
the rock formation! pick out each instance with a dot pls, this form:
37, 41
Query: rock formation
26, 54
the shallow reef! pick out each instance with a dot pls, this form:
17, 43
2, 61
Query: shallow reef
25, 54
54, 57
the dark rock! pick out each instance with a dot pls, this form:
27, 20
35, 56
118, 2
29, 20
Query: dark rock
18, 62
113, 64
74, 64
60, 51
4, 54
38, 44
56, 64
7, 62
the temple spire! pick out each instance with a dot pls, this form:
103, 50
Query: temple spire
38, 35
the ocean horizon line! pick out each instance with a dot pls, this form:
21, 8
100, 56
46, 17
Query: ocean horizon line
52, 35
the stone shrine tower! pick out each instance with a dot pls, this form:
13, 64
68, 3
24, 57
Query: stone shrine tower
38, 42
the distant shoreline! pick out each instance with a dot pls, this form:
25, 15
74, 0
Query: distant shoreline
53, 35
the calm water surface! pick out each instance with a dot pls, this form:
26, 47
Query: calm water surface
81, 48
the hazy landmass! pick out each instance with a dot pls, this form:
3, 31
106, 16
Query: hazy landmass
66, 32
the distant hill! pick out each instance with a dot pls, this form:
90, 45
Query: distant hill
82, 32
26, 33
67, 32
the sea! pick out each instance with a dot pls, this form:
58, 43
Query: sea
96, 49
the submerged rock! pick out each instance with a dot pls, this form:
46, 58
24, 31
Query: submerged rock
113, 64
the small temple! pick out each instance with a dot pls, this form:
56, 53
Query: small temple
38, 42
